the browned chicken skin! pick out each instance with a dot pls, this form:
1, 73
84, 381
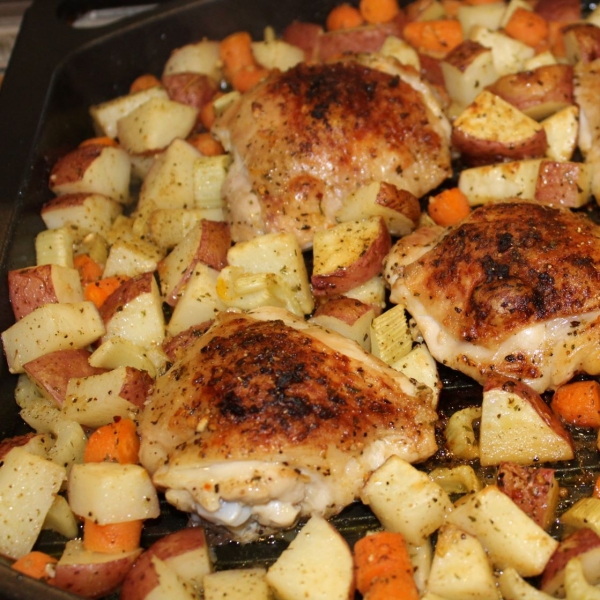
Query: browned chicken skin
303, 140
514, 289
268, 417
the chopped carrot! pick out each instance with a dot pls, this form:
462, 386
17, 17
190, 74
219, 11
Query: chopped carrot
527, 27
384, 556
343, 16
236, 53
247, 78
207, 113
98, 291
578, 403
392, 588
379, 11
89, 269
143, 82
103, 140
448, 207
206, 144
36, 564
434, 38
115, 442
112, 538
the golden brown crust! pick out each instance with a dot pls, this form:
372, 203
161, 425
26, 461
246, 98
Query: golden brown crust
508, 266
257, 388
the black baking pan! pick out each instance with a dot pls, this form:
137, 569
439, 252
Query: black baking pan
57, 71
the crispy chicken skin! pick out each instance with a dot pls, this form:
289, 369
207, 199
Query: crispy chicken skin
302, 140
513, 289
267, 418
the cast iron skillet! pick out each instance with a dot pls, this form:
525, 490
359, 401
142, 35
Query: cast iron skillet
56, 72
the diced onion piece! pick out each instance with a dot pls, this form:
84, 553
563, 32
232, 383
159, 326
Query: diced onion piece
460, 436
209, 175
390, 336
457, 480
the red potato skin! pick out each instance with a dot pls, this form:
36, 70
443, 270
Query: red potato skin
533, 489
136, 386
52, 371
66, 201
402, 201
563, 11
93, 580
367, 38
175, 347
586, 37
366, 267
127, 291
193, 89
557, 183
581, 541
215, 241
7, 444
30, 288
303, 35
73, 165
348, 310
478, 151
214, 244
142, 578
528, 89
533, 398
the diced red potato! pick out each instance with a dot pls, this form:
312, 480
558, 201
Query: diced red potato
348, 255
29, 441
91, 574
563, 11
93, 169
32, 287
563, 183
185, 552
534, 489
367, 38
492, 130
582, 42
193, 89
208, 242
303, 35
584, 544
51, 372
538, 93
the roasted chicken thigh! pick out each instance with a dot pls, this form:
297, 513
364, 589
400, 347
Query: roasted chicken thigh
267, 418
302, 140
513, 289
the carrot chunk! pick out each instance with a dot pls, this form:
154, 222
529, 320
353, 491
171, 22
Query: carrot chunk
527, 27
343, 16
578, 403
448, 207
143, 82
115, 442
36, 564
382, 562
102, 140
434, 38
89, 269
98, 291
378, 11
112, 538
206, 144
236, 52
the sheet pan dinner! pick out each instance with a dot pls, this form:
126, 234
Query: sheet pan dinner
250, 280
